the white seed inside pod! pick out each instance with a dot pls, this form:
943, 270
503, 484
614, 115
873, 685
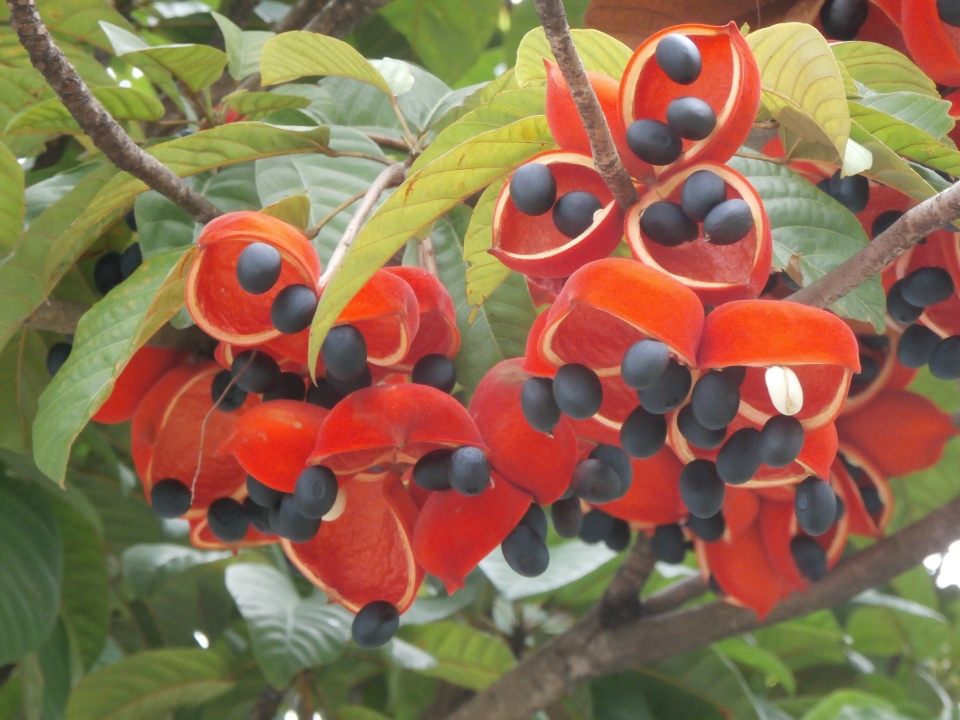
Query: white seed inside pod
785, 390
339, 505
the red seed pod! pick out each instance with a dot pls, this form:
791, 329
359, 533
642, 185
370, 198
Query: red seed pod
654, 495
856, 480
934, 45
145, 368
437, 331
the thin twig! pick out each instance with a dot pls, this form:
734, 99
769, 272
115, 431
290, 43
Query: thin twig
387, 141
315, 230
621, 601
407, 133
427, 256
605, 156
93, 119
763, 158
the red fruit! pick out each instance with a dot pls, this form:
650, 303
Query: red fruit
934, 45
942, 249
654, 496
892, 375
437, 332
862, 521
533, 362
145, 368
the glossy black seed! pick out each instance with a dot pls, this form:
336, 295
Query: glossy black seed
131, 220
344, 353
525, 552
293, 308
871, 500
691, 118
643, 433
701, 488
815, 505
875, 342
824, 186
261, 494
709, 529
567, 517
927, 286
577, 391
258, 268
375, 624
668, 544
469, 471
432, 471
435, 370
644, 363
852, 192
883, 221
315, 492
291, 524
596, 482
715, 400
665, 223
106, 273
289, 387
949, 12
729, 222
679, 58
810, 558
342, 389
130, 260
841, 509
170, 498
739, 458
696, 434
654, 142
780, 441
618, 539
789, 282
56, 356
869, 371
536, 519
257, 515
533, 189
322, 394
255, 372
701, 193
898, 308
916, 345
226, 396
227, 520
842, 19
945, 359
619, 461
737, 373
538, 404
573, 212
669, 392
597, 526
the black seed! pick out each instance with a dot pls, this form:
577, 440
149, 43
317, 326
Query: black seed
790, 282
255, 372
927, 286
293, 308
898, 308
810, 558
852, 192
289, 387
668, 544
290, 524
856, 472
56, 356
654, 142
842, 19
538, 404
739, 458
170, 498
871, 500
227, 520
669, 392
945, 359
435, 370
691, 118
577, 391
573, 212
619, 537
261, 494
375, 624
226, 396
916, 345
525, 552
696, 434
597, 526
841, 509
781, 441
824, 186
715, 400
469, 471
701, 193
815, 505
344, 353
130, 260
729, 222
644, 363
679, 58
106, 273
643, 434
883, 221
536, 519
315, 492
709, 529
617, 459
533, 189
701, 488
258, 268
322, 394
342, 389
596, 482
666, 224
567, 517
875, 342
131, 220
869, 371
432, 471
257, 515
737, 373
949, 12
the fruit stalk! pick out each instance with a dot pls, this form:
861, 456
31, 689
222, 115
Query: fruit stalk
621, 600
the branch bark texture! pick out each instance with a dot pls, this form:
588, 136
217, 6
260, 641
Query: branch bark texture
338, 18
621, 602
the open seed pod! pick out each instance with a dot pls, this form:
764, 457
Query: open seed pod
934, 45
867, 497
437, 331
941, 250
203, 538
654, 495
881, 25
740, 509
145, 368
880, 369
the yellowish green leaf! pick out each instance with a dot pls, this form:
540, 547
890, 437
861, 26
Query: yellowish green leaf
293, 55
883, 69
12, 203
294, 210
50, 116
598, 51
257, 105
484, 272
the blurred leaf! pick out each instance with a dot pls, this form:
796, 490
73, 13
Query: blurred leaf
568, 562
645, 694
53, 663
359, 712
50, 116
879, 599
851, 705
407, 656
127, 518
77, 19
12, 55
427, 609
257, 105
598, 51
293, 55
814, 640
243, 47
146, 567
23, 376
12, 202
753, 656
466, 657
883, 69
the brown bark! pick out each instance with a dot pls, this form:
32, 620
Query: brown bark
621, 601
338, 18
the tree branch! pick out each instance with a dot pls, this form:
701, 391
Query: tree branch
299, 15
267, 704
605, 156
93, 119
621, 601
338, 18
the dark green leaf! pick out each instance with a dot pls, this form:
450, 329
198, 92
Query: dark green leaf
146, 567
465, 656
23, 376
647, 696
12, 202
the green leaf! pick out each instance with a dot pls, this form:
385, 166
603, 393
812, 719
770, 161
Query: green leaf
196, 65
904, 138
243, 46
419, 201
13, 55
107, 337
293, 55
257, 105
814, 640
50, 116
814, 233
77, 19
342, 101
598, 51
359, 712
23, 376
12, 201
289, 633
18, 89
31, 565
485, 273
146, 567
426, 609
753, 656
851, 705
801, 82
883, 69
53, 660
878, 599
294, 210
149, 685
652, 695
466, 657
